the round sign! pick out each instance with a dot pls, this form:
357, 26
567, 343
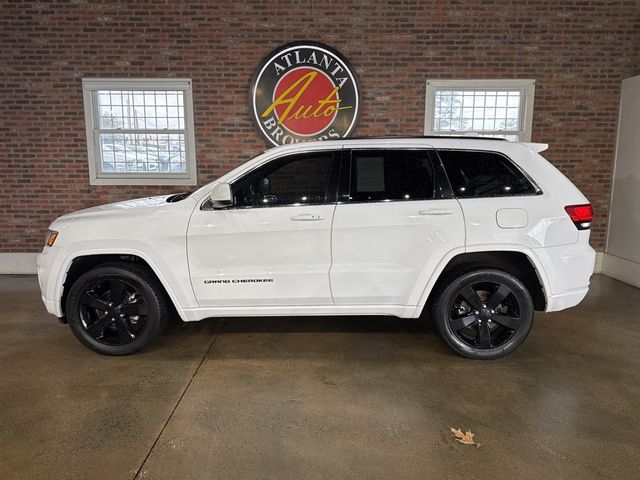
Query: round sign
304, 91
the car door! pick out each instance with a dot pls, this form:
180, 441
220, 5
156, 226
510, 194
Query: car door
273, 246
392, 226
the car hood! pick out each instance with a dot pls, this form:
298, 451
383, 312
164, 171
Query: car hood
127, 207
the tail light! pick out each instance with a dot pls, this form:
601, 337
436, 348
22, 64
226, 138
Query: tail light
581, 215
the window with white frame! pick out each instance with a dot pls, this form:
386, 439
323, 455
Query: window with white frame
488, 108
140, 131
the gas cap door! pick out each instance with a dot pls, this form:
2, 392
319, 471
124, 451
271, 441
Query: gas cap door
512, 218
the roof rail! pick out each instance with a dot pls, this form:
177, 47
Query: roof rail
417, 137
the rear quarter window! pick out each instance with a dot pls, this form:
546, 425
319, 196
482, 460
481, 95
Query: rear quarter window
477, 174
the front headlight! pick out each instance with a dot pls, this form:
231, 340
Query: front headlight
51, 237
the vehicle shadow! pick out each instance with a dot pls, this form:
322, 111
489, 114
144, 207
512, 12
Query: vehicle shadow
306, 324
326, 338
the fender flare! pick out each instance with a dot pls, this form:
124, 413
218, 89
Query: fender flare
529, 253
66, 265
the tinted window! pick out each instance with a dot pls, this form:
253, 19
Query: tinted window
296, 179
378, 175
483, 174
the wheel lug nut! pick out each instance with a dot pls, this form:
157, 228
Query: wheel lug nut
476, 312
111, 304
122, 315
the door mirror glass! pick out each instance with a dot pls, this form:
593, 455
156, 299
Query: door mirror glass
221, 195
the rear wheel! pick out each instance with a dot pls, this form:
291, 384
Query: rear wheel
116, 309
484, 314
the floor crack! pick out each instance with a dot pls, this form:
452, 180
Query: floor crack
175, 407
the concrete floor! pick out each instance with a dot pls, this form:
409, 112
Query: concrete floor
321, 398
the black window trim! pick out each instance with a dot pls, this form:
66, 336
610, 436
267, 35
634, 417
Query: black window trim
442, 188
536, 187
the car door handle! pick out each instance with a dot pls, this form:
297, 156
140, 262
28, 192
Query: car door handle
307, 217
435, 211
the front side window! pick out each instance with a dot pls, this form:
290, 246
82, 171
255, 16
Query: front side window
301, 179
385, 175
140, 131
487, 108
475, 174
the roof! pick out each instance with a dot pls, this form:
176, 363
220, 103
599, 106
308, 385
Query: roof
433, 141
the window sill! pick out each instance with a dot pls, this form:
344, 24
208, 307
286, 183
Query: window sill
144, 181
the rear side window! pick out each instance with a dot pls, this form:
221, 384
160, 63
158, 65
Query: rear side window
379, 175
475, 174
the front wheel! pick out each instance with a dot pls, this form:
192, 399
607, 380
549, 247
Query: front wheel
116, 309
484, 314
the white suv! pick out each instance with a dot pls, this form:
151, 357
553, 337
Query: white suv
474, 233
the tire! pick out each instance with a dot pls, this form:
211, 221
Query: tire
504, 313
116, 309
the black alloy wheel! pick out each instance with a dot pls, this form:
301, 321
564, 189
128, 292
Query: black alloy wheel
113, 311
484, 314
116, 309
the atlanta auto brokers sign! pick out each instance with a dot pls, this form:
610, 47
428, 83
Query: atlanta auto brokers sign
304, 91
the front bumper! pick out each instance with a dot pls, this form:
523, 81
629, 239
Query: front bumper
50, 265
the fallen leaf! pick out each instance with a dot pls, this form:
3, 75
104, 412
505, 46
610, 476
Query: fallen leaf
465, 438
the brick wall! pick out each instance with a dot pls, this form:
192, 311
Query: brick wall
578, 52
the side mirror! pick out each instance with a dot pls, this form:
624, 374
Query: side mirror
221, 195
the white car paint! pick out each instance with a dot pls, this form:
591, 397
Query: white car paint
395, 246
344, 259
292, 246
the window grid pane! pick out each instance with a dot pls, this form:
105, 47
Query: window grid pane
478, 111
143, 152
149, 151
141, 110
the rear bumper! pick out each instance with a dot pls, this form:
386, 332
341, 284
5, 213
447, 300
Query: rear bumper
568, 269
566, 299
